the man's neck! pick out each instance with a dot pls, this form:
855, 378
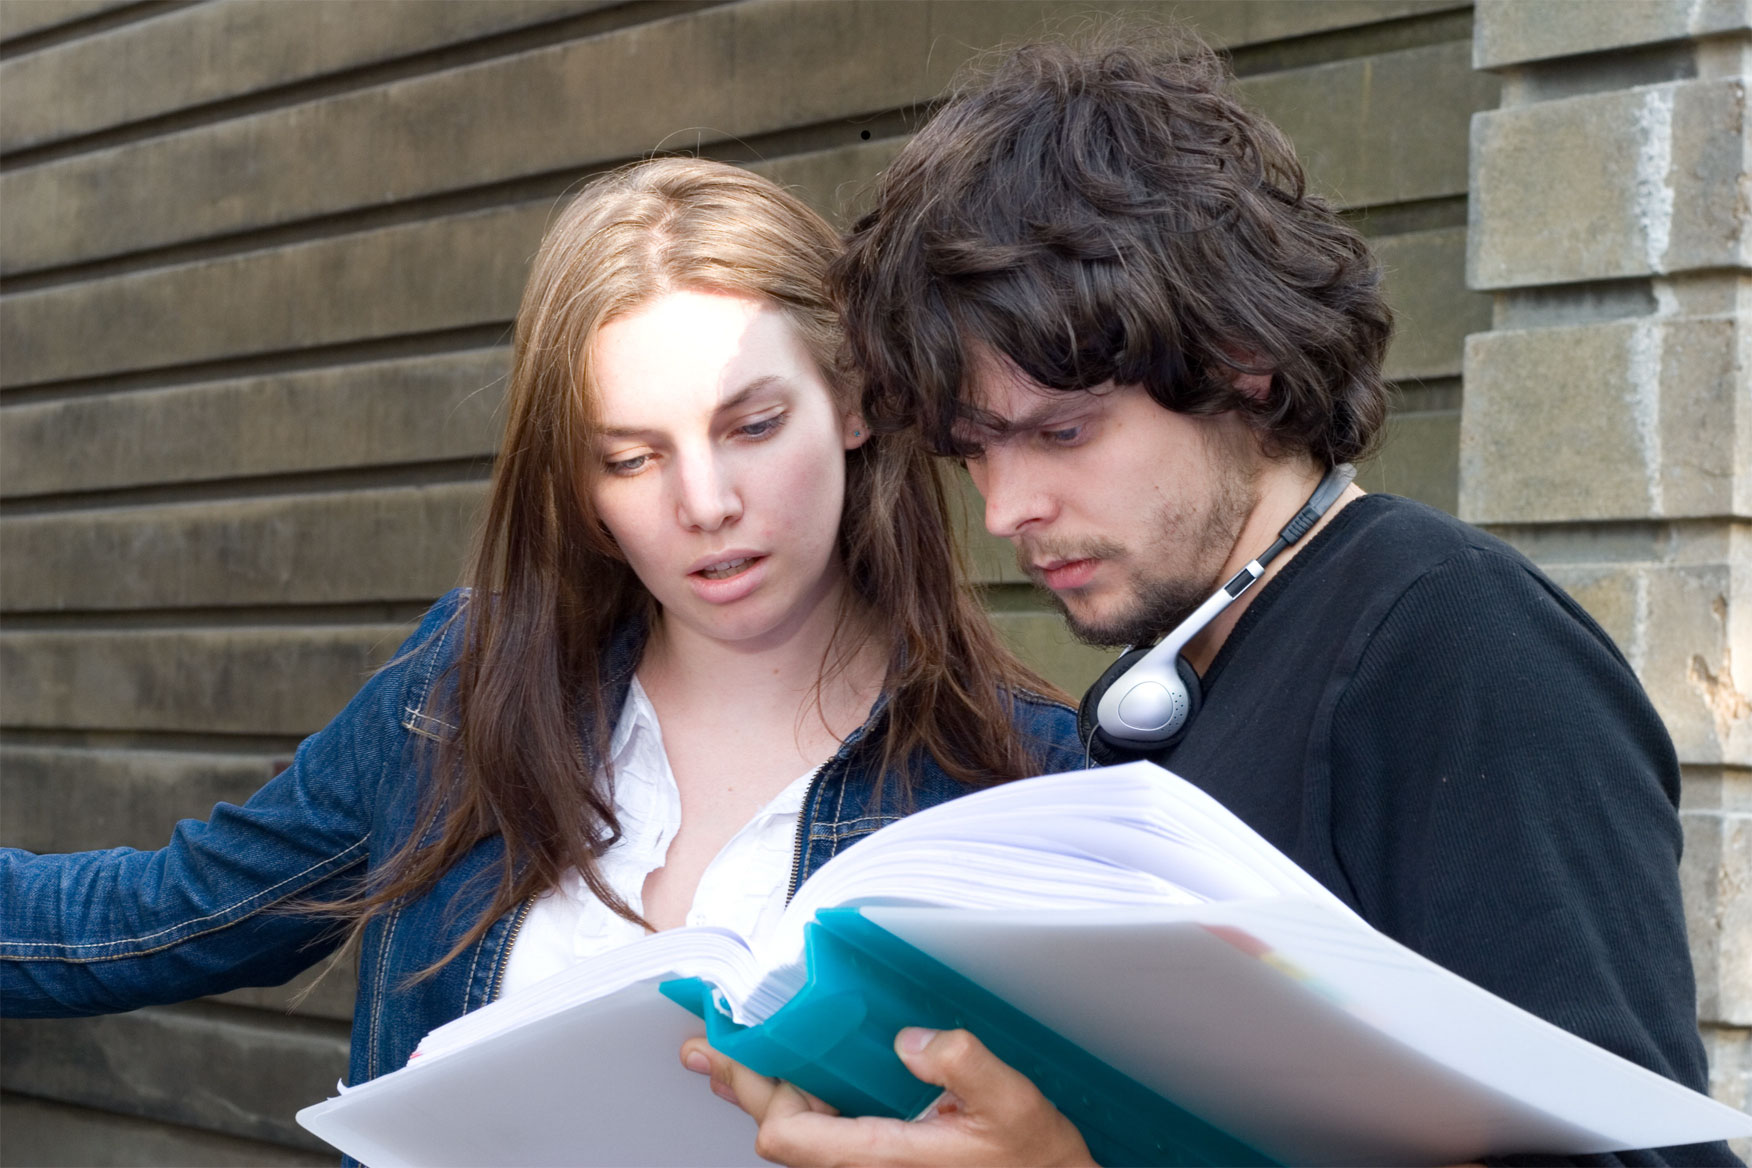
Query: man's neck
1284, 487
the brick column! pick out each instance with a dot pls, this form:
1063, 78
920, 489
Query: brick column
1606, 426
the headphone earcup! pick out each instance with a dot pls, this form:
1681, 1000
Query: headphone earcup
1116, 737
1194, 696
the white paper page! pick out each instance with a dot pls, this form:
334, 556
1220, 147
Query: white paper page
717, 955
597, 1084
1276, 1059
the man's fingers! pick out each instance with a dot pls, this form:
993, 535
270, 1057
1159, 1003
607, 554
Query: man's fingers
760, 1096
960, 1062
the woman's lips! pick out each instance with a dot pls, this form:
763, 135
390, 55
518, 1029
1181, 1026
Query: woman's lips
728, 578
728, 568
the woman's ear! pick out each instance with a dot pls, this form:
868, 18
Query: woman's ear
856, 432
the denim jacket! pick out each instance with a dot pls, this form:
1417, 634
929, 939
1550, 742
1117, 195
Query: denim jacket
98, 932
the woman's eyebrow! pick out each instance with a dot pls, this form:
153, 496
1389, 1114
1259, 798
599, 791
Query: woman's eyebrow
734, 401
752, 388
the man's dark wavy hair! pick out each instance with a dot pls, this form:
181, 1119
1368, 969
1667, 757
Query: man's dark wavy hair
1110, 211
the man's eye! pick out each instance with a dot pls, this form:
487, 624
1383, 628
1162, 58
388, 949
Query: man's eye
1067, 436
627, 466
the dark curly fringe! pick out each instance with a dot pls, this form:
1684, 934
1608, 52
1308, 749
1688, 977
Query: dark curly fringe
1107, 210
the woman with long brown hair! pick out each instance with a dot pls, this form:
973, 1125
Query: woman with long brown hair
715, 632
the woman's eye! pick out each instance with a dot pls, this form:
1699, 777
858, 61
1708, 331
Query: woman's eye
762, 427
627, 466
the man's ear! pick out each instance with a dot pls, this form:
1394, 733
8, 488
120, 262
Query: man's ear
856, 433
1254, 385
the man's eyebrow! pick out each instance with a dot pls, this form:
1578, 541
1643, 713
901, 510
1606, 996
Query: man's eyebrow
735, 400
997, 427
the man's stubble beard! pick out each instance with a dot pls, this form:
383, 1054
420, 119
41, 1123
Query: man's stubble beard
1158, 603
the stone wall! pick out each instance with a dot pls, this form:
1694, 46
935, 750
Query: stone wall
257, 266
1607, 424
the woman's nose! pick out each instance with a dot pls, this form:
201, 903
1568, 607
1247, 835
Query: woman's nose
709, 497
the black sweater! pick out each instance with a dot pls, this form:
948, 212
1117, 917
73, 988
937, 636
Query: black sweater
1413, 713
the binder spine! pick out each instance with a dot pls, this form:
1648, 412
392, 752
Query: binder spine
835, 1039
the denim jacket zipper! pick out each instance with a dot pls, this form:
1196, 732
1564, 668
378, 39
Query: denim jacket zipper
510, 940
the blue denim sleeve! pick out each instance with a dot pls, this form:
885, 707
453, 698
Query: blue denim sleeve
98, 932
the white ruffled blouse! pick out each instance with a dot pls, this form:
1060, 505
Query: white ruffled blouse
742, 889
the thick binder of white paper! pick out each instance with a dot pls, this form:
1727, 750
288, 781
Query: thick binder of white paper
1122, 908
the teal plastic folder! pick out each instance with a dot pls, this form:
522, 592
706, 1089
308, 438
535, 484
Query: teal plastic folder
835, 1039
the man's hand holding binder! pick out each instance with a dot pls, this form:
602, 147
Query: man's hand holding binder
990, 1114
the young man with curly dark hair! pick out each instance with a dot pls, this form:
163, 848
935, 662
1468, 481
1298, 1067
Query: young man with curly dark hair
1100, 281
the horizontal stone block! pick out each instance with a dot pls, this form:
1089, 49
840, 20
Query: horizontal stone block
380, 413
332, 548
1730, 1072
18, 20
235, 1072
286, 681
57, 1135
1425, 280
444, 273
1231, 25
66, 799
450, 272
1679, 625
1387, 128
319, 992
1717, 789
1381, 129
1642, 181
1716, 875
1512, 32
1042, 640
239, 47
1418, 459
1642, 418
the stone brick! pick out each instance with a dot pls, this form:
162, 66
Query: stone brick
1730, 1072
1679, 625
1425, 280
1511, 32
1418, 458
1383, 129
378, 413
206, 681
23, 19
235, 1072
56, 1134
68, 799
1716, 875
217, 51
1647, 417
837, 182
1648, 181
759, 67
442, 273
1225, 23
339, 547
1042, 640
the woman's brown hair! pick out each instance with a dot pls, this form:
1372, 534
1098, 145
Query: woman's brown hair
549, 590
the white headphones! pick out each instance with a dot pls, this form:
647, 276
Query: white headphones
1156, 692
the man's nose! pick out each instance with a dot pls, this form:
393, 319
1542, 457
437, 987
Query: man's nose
1016, 500
709, 496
